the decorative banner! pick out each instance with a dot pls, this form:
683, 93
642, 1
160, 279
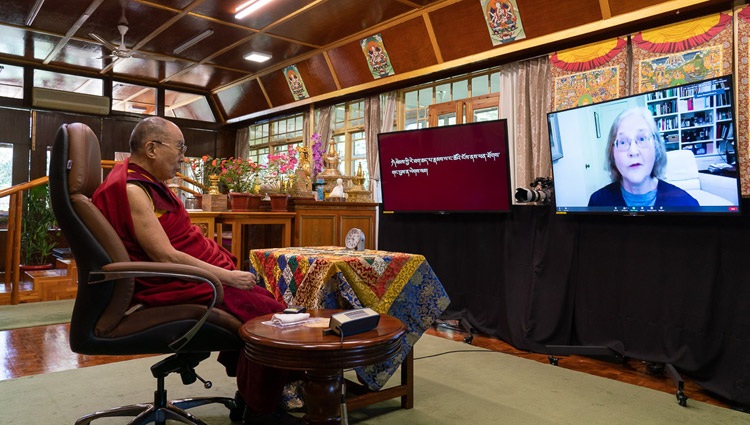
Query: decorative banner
683, 52
586, 88
296, 85
603, 76
503, 21
680, 68
742, 85
377, 56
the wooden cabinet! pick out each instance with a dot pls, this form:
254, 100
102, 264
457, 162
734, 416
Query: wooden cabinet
319, 223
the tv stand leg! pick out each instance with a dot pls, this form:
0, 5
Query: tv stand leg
679, 382
466, 326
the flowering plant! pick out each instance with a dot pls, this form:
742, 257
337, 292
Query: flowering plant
279, 174
317, 153
203, 167
240, 175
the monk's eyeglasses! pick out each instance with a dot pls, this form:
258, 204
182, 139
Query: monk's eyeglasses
182, 147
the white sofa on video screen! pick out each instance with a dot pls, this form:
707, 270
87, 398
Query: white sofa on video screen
707, 189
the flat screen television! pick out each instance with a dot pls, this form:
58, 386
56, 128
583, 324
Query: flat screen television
449, 169
664, 151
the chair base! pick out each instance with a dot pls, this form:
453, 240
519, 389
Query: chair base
147, 413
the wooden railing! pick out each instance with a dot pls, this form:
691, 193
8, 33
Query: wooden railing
12, 273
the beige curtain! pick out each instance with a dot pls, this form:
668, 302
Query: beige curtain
533, 99
241, 148
324, 126
380, 112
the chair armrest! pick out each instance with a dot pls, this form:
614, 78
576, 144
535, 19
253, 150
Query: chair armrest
725, 187
133, 269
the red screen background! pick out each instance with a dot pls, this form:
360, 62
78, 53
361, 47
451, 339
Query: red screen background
453, 168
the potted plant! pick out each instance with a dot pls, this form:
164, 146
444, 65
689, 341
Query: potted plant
37, 242
240, 176
279, 177
204, 170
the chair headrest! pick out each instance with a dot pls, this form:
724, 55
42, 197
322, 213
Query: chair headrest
84, 150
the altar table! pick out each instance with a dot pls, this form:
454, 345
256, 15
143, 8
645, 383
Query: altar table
330, 277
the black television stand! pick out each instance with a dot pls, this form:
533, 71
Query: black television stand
460, 325
654, 368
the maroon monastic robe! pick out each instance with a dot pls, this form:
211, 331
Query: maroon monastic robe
260, 387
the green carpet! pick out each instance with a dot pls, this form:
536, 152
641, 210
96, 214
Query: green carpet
35, 314
477, 387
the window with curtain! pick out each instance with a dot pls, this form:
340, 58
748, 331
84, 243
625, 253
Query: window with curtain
452, 94
277, 135
349, 136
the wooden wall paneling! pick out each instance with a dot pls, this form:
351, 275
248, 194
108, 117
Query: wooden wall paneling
15, 124
460, 29
619, 7
201, 142
242, 99
115, 135
350, 65
548, 16
317, 71
409, 46
314, 72
47, 124
277, 88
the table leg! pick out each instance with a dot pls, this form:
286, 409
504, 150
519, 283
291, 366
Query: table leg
322, 392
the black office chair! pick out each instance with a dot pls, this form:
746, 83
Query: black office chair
101, 322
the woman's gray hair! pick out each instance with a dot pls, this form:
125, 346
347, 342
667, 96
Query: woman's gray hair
660, 159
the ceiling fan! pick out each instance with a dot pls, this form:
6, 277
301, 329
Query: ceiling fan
121, 51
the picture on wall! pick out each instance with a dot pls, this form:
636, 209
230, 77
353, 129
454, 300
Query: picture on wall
296, 85
503, 21
377, 56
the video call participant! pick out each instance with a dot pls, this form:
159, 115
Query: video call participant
636, 159
155, 226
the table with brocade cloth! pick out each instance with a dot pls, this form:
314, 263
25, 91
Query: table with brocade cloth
330, 277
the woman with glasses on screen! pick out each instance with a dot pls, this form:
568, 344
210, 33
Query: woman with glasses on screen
636, 159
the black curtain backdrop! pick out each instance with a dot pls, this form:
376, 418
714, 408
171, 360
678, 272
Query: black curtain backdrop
668, 289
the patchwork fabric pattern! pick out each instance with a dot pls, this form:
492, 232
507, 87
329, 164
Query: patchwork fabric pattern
398, 284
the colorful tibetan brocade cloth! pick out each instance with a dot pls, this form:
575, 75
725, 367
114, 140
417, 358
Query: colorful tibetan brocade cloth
328, 277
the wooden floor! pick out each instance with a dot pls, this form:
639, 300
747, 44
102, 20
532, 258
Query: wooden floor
42, 349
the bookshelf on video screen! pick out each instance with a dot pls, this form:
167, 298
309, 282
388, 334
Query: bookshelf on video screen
665, 151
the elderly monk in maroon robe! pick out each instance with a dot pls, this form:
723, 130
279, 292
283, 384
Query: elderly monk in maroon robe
155, 226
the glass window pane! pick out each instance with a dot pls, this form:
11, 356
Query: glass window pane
11, 84
495, 82
187, 105
133, 98
359, 145
485, 114
425, 97
6, 172
460, 89
480, 86
410, 100
66, 82
443, 93
446, 119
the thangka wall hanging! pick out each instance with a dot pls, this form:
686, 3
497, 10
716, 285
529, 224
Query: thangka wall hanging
377, 56
681, 53
741, 84
503, 21
296, 85
589, 74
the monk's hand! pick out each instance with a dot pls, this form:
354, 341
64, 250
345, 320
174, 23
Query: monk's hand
240, 279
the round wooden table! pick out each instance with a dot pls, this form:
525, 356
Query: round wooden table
322, 357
